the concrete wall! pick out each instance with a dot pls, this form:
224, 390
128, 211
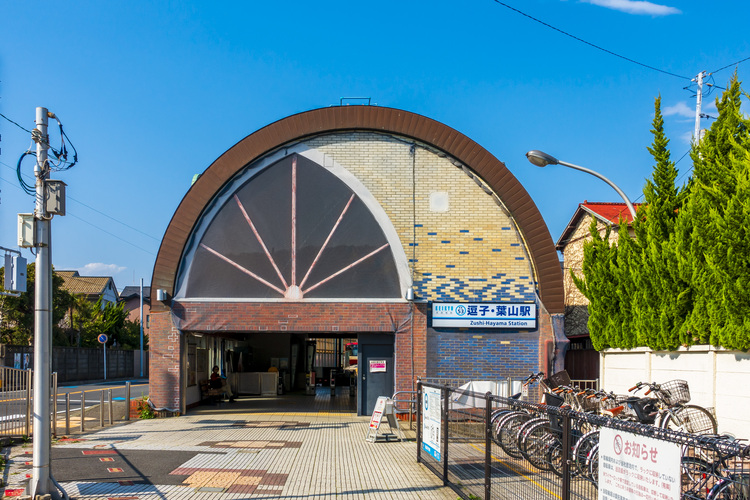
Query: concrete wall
718, 378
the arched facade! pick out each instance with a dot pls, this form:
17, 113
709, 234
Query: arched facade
322, 224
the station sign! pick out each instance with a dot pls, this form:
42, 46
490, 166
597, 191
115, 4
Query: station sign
483, 315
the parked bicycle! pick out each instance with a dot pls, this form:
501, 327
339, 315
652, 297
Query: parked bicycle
723, 478
672, 410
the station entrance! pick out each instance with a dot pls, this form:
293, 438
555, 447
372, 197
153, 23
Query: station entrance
353, 368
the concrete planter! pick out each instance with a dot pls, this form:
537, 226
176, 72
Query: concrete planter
718, 378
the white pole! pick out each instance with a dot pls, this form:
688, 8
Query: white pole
42, 439
698, 103
141, 297
104, 345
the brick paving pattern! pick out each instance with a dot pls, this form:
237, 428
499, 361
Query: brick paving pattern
235, 452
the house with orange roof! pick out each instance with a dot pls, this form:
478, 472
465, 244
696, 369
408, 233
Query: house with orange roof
581, 360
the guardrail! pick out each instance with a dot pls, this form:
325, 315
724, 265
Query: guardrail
72, 410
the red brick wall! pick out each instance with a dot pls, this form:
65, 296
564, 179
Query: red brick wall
164, 362
334, 317
411, 346
297, 317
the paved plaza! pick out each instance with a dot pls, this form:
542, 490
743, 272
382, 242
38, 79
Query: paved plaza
286, 447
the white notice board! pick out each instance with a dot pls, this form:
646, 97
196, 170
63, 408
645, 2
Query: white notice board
431, 421
633, 467
377, 413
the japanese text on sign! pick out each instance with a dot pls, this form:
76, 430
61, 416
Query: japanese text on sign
489, 315
431, 421
633, 467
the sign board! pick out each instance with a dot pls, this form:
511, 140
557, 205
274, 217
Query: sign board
377, 365
102, 338
377, 413
484, 315
431, 421
383, 407
633, 467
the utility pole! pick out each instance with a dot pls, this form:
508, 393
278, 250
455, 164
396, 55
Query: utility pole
140, 294
698, 102
40, 483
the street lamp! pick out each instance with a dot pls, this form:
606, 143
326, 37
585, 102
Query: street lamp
541, 159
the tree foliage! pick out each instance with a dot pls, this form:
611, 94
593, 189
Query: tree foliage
17, 326
76, 321
683, 278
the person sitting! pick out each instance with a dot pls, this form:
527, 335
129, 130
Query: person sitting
219, 382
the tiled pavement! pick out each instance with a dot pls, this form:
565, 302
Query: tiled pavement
288, 447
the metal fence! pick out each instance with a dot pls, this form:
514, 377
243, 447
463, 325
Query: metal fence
74, 363
557, 453
71, 411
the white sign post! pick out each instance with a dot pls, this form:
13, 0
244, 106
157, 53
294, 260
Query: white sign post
103, 341
431, 421
633, 467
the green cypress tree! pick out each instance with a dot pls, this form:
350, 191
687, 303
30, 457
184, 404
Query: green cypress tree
712, 230
656, 313
599, 287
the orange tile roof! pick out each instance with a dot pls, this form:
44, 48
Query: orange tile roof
608, 212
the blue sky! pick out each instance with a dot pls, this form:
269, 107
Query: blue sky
150, 93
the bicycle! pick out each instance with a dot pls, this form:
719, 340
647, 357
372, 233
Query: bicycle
672, 410
719, 479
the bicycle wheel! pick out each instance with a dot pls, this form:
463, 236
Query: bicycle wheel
730, 489
556, 456
507, 433
524, 430
539, 440
593, 465
692, 473
581, 451
691, 419
495, 423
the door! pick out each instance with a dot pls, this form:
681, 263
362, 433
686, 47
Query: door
376, 373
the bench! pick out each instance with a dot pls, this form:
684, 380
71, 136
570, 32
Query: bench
209, 393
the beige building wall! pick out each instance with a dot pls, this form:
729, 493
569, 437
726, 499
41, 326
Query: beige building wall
459, 239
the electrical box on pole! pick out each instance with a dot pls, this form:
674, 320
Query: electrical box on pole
54, 197
15, 273
26, 230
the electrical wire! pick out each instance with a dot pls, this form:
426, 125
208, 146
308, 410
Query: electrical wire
91, 208
28, 188
589, 43
730, 65
16, 124
676, 180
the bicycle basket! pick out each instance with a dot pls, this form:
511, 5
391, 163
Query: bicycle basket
644, 408
675, 392
553, 399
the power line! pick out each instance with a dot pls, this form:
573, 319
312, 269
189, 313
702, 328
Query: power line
111, 234
16, 124
97, 211
676, 180
730, 65
589, 43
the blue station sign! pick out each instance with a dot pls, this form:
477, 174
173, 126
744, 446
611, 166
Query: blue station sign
483, 315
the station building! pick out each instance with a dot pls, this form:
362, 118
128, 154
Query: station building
353, 225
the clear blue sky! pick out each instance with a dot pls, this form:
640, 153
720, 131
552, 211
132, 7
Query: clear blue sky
151, 93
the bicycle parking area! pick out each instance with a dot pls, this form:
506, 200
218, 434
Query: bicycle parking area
466, 453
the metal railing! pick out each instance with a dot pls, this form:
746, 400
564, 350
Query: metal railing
73, 410
557, 455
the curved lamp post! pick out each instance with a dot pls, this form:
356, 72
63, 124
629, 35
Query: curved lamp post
541, 159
